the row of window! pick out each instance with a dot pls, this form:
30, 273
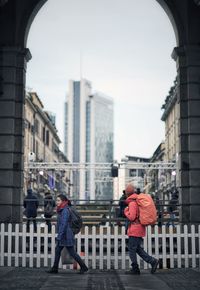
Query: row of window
35, 129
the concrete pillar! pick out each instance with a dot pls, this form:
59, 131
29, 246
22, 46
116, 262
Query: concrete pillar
12, 95
188, 68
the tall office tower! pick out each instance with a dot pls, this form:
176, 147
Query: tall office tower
88, 139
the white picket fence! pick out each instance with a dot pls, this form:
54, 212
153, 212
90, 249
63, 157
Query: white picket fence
100, 247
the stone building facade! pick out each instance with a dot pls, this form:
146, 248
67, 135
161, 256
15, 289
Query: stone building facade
171, 117
41, 144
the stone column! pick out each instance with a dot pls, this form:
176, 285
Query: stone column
12, 97
188, 69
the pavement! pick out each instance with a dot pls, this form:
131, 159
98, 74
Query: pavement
38, 279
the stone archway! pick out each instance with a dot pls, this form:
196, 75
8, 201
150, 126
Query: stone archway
15, 20
186, 24
16, 17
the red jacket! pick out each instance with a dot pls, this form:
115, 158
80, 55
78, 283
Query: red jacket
132, 212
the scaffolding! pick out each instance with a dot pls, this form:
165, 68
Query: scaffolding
98, 166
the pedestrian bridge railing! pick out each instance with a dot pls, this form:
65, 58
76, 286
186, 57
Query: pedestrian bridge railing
101, 247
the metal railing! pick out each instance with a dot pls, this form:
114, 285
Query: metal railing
106, 212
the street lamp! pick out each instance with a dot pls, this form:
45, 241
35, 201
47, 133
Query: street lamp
41, 172
173, 173
174, 178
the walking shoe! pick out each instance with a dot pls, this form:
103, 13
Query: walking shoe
154, 266
133, 272
83, 269
53, 271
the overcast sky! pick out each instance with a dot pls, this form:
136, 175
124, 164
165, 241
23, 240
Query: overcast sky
126, 48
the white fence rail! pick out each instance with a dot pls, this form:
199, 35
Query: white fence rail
100, 247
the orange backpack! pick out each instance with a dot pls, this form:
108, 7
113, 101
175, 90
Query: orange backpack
147, 209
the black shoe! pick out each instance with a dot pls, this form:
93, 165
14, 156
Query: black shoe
83, 269
133, 272
53, 271
154, 266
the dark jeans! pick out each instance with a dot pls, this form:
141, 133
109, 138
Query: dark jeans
171, 219
72, 253
134, 246
48, 222
34, 224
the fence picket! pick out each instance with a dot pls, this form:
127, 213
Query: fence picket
38, 259
193, 246
85, 254
31, 237
116, 247
149, 240
24, 245
123, 248
164, 254
171, 246
156, 238
45, 235
94, 247
186, 245
108, 248
2, 251
16, 237
53, 243
101, 248
9, 235
178, 230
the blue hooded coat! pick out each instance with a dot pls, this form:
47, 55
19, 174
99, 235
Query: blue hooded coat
31, 204
65, 235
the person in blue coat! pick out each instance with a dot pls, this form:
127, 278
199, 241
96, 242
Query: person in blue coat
65, 236
31, 204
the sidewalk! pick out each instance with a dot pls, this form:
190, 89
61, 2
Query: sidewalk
35, 279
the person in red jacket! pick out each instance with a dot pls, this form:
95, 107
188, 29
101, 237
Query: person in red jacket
136, 232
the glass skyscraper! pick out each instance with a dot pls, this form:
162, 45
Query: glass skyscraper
89, 139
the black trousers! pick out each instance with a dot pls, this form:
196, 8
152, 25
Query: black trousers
33, 219
72, 253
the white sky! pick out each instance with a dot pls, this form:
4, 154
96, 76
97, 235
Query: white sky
126, 48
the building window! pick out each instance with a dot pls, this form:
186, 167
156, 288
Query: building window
47, 137
43, 134
36, 149
26, 124
37, 124
132, 172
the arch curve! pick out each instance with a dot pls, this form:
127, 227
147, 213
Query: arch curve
34, 11
168, 6
174, 18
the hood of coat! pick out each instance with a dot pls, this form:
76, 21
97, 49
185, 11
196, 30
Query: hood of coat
29, 191
131, 197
